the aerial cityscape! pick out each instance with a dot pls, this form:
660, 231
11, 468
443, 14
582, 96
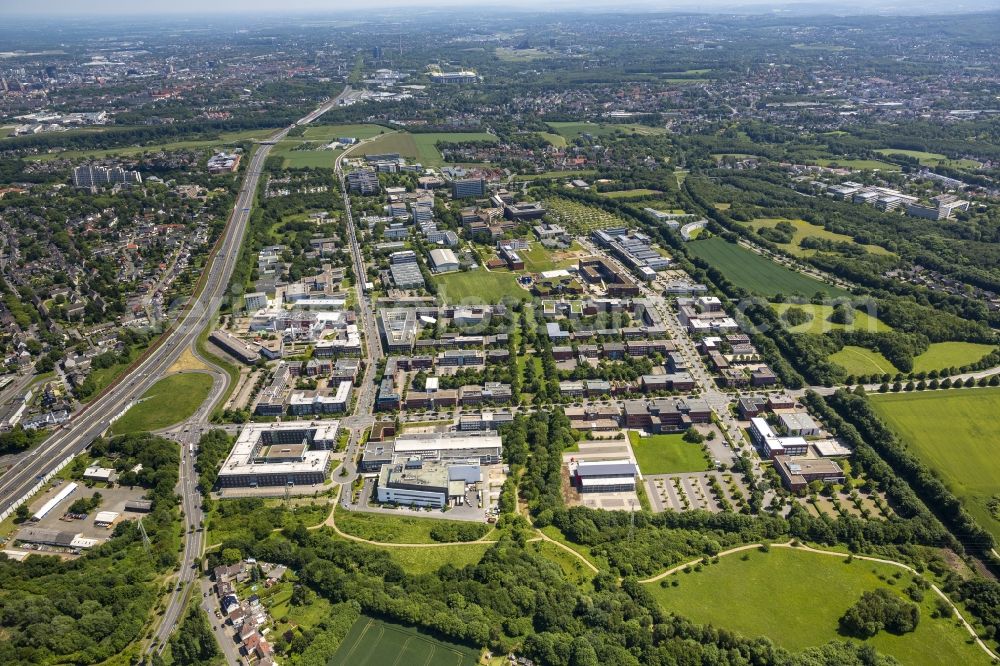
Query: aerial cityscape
504, 335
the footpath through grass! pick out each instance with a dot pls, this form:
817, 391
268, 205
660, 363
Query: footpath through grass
755, 273
939, 356
667, 454
796, 598
171, 400
955, 432
373, 642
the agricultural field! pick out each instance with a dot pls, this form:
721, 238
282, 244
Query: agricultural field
796, 598
373, 642
171, 400
955, 433
298, 154
930, 159
571, 130
580, 218
419, 147
521, 55
569, 173
479, 286
330, 133
756, 273
223, 140
939, 356
820, 322
667, 454
805, 229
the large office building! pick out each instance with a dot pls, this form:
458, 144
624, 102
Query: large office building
482, 448
398, 328
280, 454
465, 188
97, 176
463, 76
405, 270
363, 181
415, 483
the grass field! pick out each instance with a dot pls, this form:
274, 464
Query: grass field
667, 454
557, 140
294, 156
861, 361
388, 528
419, 147
170, 400
539, 258
573, 569
224, 139
333, 132
479, 286
756, 273
628, 194
571, 130
950, 354
795, 598
373, 642
416, 561
955, 433
939, 356
805, 229
521, 55
861, 165
930, 159
820, 322
570, 173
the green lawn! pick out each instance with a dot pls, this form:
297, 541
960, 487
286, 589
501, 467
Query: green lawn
950, 354
667, 454
480, 286
955, 433
389, 528
805, 229
820, 322
939, 356
756, 273
171, 400
795, 598
419, 147
578, 173
373, 642
314, 156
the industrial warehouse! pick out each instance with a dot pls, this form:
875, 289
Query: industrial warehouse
280, 454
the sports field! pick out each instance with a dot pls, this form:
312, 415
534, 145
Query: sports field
756, 273
956, 433
373, 642
170, 400
419, 147
820, 322
795, 598
479, 286
805, 229
667, 454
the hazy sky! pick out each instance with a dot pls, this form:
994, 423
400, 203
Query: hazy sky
120, 7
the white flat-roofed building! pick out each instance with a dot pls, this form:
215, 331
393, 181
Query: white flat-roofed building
105, 518
414, 483
65, 492
485, 446
799, 424
95, 473
279, 454
443, 260
593, 476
